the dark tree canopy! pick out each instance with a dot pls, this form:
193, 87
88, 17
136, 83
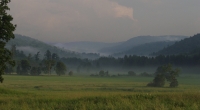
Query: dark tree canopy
165, 72
60, 68
6, 33
24, 67
49, 62
55, 57
47, 55
37, 56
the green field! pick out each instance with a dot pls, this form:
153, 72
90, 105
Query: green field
96, 93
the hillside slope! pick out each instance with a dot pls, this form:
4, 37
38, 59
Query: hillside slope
32, 46
84, 46
185, 46
136, 41
145, 49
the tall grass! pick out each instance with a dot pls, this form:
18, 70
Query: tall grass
88, 93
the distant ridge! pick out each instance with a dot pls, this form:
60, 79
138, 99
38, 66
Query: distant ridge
32, 46
136, 41
145, 49
185, 46
84, 46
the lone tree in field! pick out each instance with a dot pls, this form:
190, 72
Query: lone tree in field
6, 33
163, 73
60, 68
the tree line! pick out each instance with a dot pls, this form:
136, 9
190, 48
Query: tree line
133, 60
34, 64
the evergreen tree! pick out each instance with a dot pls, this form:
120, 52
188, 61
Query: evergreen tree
37, 56
55, 57
47, 55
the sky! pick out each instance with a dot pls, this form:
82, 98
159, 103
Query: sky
104, 20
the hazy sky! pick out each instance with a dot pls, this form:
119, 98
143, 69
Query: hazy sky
104, 20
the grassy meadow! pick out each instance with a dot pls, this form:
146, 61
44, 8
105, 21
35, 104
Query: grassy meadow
96, 93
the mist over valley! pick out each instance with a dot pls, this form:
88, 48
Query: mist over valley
99, 55
137, 54
105, 49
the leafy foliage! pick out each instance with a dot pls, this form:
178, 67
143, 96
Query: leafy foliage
6, 33
174, 83
159, 80
165, 72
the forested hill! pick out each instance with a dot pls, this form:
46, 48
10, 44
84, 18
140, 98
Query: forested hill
136, 41
32, 46
185, 46
145, 49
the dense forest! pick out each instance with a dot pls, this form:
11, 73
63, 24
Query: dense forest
48, 63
